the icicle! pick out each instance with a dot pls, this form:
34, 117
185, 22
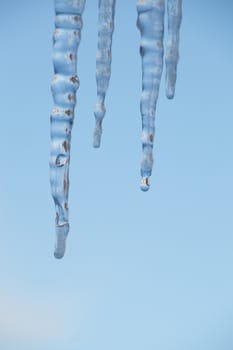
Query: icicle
67, 35
103, 62
151, 25
68, 25
172, 50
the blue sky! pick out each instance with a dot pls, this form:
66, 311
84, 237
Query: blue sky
142, 270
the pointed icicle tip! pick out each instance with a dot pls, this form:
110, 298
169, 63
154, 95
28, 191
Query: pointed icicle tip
61, 235
99, 112
170, 91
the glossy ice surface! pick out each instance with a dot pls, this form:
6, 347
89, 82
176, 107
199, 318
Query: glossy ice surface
151, 25
103, 62
68, 26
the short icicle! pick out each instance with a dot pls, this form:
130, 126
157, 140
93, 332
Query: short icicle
174, 15
103, 62
151, 25
68, 25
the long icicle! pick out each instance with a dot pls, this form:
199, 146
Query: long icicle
151, 25
174, 15
68, 25
103, 62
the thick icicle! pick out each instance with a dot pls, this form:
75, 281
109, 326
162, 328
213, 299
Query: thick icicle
151, 25
174, 14
68, 25
103, 62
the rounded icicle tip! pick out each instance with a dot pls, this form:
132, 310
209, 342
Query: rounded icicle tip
60, 245
99, 112
170, 92
145, 184
97, 139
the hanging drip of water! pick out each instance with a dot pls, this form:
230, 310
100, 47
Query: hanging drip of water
103, 62
68, 26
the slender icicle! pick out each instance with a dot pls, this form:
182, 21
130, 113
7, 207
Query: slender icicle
68, 25
174, 14
103, 62
151, 25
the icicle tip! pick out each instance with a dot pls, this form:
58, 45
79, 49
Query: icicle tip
60, 245
99, 113
97, 138
145, 184
170, 93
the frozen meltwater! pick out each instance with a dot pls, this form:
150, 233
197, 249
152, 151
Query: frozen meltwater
66, 39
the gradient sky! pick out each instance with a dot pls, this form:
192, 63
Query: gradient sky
142, 270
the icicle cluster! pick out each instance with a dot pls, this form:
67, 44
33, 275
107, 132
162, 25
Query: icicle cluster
67, 35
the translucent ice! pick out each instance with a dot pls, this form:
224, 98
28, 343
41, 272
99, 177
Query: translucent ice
151, 25
68, 26
103, 62
172, 48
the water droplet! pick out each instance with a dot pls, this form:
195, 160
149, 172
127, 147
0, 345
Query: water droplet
145, 184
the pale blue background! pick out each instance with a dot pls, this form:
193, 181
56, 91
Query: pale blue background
142, 270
